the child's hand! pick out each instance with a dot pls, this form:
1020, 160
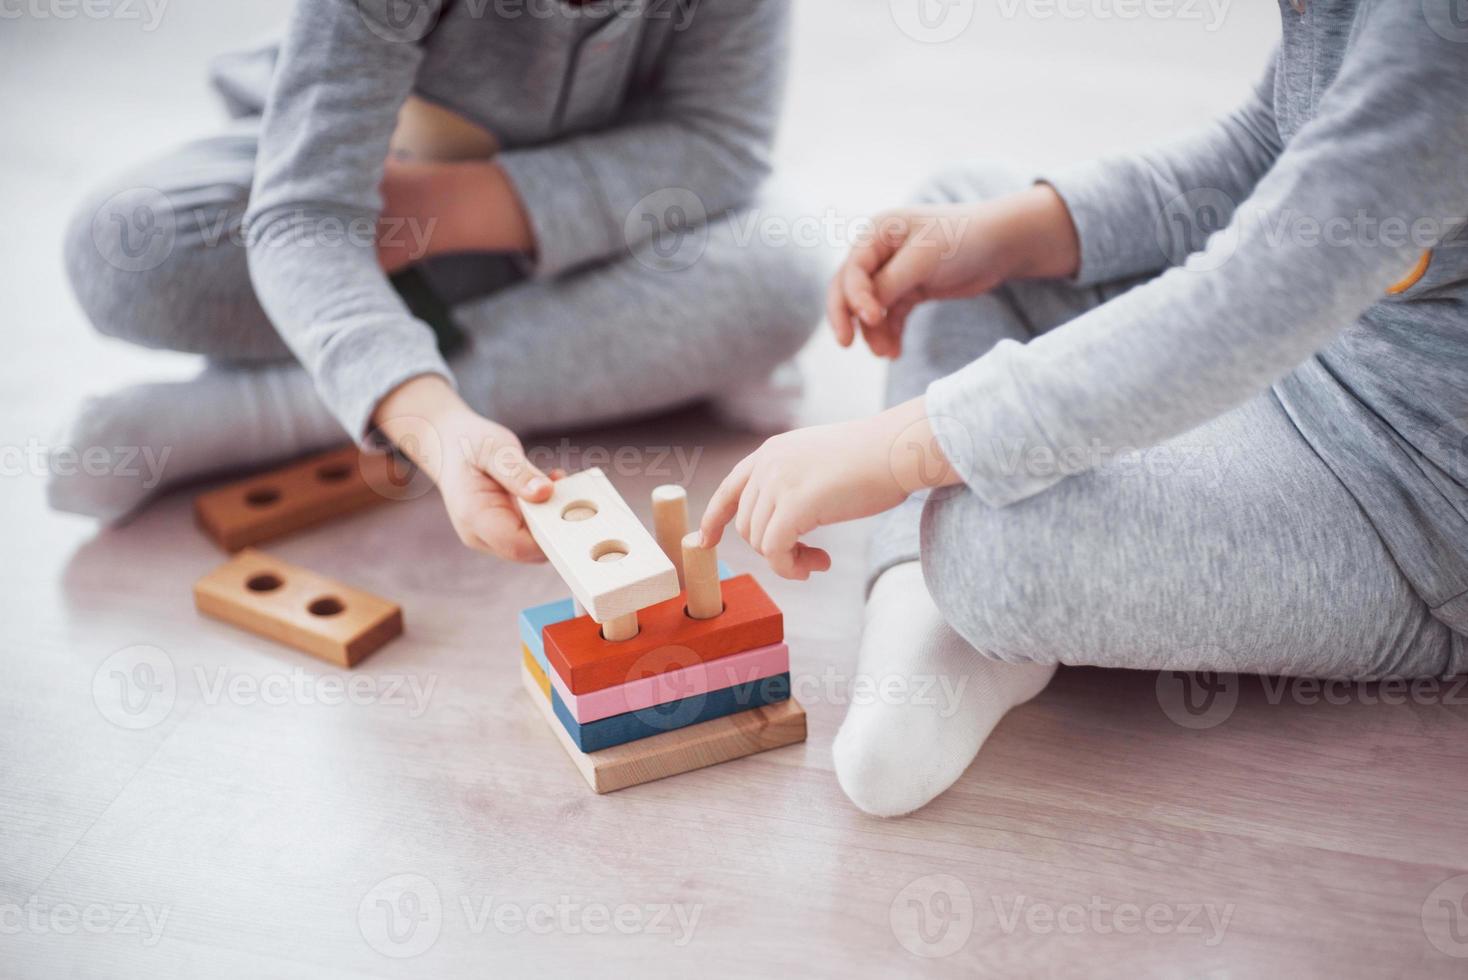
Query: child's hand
435, 208
808, 478
947, 252
479, 466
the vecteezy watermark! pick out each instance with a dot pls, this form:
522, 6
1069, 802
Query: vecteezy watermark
674, 464
1201, 228
1209, 13
1448, 19
1197, 699
1098, 916
1206, 699
1445, 916
297, 687
143, 463
940, 692
932, 21
1012, 457
137, 229
35, 917
669, 230
403, 916
932, 916
148, 12
410, 21
135, 688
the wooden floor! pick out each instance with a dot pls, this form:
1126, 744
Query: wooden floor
238, 824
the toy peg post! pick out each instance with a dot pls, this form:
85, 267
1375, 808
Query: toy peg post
670, 523
701, 569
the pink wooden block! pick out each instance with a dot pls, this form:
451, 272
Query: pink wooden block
739, 668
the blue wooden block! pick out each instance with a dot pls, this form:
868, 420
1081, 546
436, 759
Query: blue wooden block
619, 729
535, 619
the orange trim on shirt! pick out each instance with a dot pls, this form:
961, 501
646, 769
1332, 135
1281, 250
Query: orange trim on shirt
1418, 271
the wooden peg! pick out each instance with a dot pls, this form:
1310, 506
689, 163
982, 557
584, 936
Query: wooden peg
701, 569
620, 629
670, 523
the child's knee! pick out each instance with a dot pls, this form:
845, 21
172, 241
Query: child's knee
994, 595
117, 249
784, 292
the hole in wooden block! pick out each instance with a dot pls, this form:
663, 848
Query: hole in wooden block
262, 496
334, 472
722, 609
264, 582
608, 551
327, 605
579, 510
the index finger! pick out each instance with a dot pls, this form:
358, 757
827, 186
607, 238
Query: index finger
724, 504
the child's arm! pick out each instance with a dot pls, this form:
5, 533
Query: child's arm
312, 228
826, 474
695, 144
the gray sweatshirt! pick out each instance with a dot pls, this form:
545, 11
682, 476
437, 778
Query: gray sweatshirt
595, 107
1338, 282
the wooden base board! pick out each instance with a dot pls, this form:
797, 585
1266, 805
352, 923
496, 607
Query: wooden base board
297, 607
705, 744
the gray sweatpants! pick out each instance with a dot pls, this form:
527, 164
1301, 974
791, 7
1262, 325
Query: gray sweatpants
1232, 547
621, 339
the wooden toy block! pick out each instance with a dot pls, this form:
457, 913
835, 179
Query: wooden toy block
600, 548
632, 726
701, 574
534, 620
707, 743
675, 685
670, 523
309, 492
297, 607
586, 662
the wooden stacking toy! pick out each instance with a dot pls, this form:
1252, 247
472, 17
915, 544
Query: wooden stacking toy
661, 662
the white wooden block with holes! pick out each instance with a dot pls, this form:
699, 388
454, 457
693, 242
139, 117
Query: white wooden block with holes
611, 563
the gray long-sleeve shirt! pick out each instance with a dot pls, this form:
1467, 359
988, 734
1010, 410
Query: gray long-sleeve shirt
595, 107
1338, 280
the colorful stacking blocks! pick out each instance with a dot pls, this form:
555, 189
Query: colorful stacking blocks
660, 676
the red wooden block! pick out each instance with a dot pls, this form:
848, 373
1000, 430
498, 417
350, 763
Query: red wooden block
668, 640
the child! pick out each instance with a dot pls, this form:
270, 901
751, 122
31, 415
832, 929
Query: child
551, 167
1252, 461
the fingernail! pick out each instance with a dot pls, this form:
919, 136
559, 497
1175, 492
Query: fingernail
536, 485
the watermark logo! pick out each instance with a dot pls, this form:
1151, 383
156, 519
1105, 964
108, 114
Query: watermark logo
1100, 917
1198, 700
401, 916
135, 688
932, 21
1445, 917
39, 918
667, 231
400, 21
1188, 222
918, 460
135, 229
933, 916
148, 12
1448, 19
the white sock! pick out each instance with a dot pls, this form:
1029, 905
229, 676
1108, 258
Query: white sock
898, 749
123, 448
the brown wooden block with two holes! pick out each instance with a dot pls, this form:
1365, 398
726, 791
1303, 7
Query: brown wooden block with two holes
312, 491
299, 608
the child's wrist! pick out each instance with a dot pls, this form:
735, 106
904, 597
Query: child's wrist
1045, 244
914, 453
